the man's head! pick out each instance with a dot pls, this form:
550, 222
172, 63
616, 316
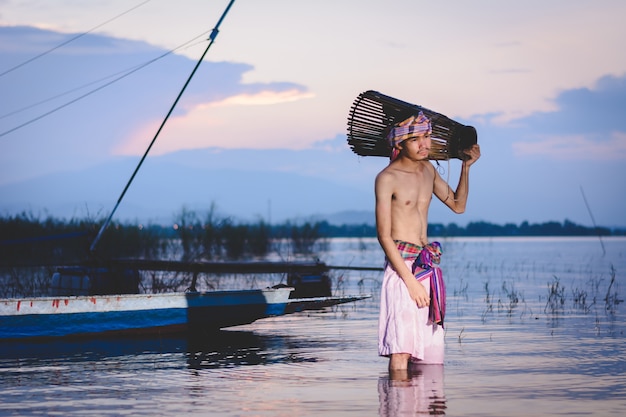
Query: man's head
407, 129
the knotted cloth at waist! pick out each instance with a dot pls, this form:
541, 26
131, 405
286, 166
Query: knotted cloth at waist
423, 260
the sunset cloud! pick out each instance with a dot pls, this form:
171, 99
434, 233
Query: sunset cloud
264, 98
576, 147
215, 124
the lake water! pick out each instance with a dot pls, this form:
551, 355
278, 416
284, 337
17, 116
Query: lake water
534, 326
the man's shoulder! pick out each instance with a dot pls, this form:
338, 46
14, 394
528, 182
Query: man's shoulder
389, 171
430, 166
387, 177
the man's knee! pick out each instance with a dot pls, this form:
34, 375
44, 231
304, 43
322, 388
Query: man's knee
398, 361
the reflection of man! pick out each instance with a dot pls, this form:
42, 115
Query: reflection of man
415, 392
404, 191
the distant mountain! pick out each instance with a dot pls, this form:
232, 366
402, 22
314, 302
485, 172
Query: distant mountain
351, 217
162, 188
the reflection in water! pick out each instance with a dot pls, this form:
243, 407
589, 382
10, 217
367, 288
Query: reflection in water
416, 391
86, 350
228, 348
224, 348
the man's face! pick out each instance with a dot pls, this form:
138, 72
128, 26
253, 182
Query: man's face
416, 147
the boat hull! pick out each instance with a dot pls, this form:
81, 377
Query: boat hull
137, 313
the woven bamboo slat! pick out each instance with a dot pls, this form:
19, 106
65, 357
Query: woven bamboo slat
373, 114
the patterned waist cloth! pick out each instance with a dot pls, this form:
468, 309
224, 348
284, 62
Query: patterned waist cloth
424, 258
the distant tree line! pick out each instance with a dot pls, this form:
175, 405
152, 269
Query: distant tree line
567, 228
25, 239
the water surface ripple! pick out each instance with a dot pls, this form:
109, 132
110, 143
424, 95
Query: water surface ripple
534, 327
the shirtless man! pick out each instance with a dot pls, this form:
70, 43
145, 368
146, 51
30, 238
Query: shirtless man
404, 191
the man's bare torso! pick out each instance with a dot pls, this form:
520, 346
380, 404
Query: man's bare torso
412, 192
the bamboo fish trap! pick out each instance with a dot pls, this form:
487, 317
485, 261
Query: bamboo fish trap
373, 114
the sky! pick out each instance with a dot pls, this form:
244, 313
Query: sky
543, 82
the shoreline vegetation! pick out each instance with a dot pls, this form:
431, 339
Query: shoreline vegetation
31, 248
29, 240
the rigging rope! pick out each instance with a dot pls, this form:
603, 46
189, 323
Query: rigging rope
71, 39
125, 74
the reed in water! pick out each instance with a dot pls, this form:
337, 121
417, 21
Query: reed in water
32, 246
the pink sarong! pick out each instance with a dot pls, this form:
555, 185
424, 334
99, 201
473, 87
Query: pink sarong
402, 326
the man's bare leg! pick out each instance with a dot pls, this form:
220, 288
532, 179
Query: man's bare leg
399, 361
399, 375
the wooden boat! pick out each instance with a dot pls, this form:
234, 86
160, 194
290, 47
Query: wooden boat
90, 315
104, 299
124, 313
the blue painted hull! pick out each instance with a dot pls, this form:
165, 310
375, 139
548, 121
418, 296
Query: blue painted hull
118, 314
